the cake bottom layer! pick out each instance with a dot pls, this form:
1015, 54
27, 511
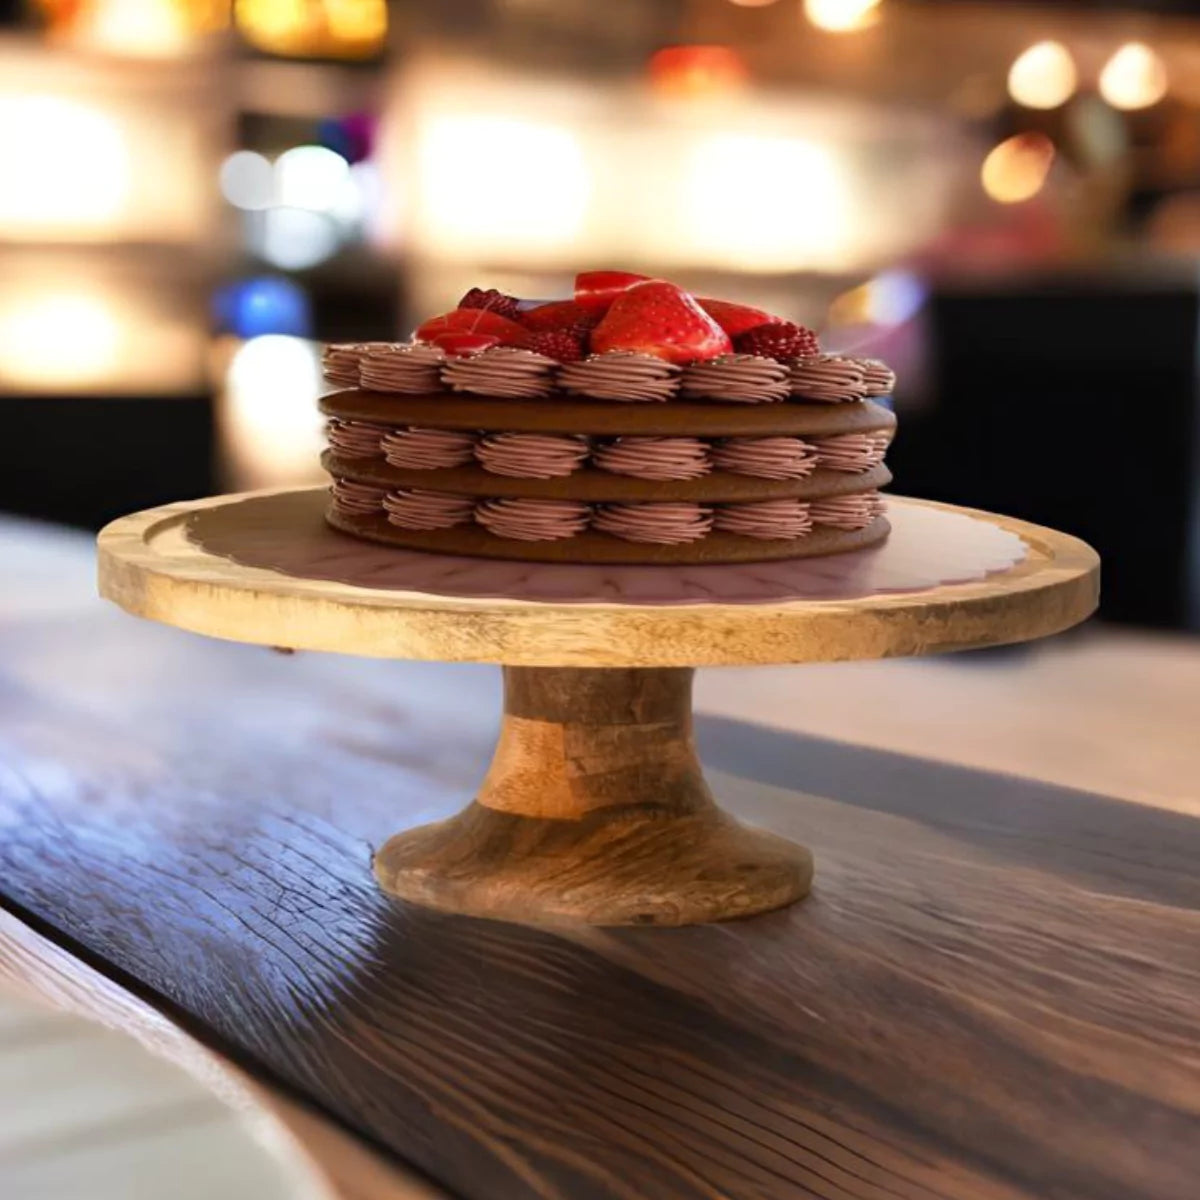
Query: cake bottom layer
592, 546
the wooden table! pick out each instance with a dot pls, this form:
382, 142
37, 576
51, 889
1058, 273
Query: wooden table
992, 991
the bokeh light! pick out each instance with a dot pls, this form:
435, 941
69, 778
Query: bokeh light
311, 177
769, 202
58, 339
63, 164
1135, 77
694, 72
269, 424
488, 181
1043, 76
1016, 169
312, 28
842, 16
294, 239
247, 180
254, 307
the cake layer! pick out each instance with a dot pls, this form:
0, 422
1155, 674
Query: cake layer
593, 546
592, 485
603, 418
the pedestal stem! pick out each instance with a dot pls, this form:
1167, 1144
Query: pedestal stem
595, 809
577, 741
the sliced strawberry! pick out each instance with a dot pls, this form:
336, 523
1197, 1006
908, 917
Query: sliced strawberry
598, 289
474, 320
559, 314
736, 318
465, 343
661, 319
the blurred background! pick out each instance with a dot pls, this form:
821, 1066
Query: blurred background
1002, 200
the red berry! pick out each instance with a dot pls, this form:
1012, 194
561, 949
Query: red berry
598, 289
561, 344
474, 320
736, 319
465, 343
660, 319
561, 314
493, 301
783, 341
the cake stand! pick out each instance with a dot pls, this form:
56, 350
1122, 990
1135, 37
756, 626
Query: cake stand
595, 807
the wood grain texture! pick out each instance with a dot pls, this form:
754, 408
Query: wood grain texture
595, 809
327, 1163
990, 995
148, 566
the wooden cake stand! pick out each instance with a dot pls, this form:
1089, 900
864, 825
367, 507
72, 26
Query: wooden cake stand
595, 807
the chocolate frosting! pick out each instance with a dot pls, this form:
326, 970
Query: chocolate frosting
421, 449
847, 512
359, 498
828, 378
768, 520
879, 378
529, 520
415, 508
766, 457
501, 371
408, 367
355, 439
665, 524
620, 375
532, 455
340, 361
654, 457
853, 452
743, 378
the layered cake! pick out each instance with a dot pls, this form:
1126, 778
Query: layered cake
633, 423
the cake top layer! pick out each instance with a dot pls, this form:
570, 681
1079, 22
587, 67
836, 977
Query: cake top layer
621, 337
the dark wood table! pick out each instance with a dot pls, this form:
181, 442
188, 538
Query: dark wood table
994, 990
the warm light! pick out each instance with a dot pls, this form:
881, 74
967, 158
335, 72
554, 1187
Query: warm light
696, 71
769, 203
147, 28
270, 426
1016, 169
247, 180
311, 177
62, 163
1043, 76
540, 205
890, 299
842, 16
1135, 77
308, 28
58, 339
752, 3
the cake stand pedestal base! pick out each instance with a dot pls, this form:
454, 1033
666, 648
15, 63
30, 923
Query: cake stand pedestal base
595, 809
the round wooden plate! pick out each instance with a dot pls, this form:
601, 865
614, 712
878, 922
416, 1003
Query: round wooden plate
148, 566
595, 808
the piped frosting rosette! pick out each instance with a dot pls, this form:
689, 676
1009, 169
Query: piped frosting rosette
416, 508
358, 499
769, 520
504, 371
529, 520
341, 361
829, 379
851, 452
664, 458
856, 511
663, 524
356, 439
417, 448
766, 457
620, 376
531, 455
737, 378
409, 369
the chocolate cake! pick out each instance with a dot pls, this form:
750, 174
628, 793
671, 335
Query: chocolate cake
632, 424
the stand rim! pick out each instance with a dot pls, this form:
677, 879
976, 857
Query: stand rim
149, 568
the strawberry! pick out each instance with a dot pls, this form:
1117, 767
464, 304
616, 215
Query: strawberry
560, 314
493, 301
474, 320
598, 289
465, 343
736, 318
661, 319
781, 340
562, 344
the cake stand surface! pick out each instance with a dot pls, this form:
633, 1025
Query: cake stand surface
595, 807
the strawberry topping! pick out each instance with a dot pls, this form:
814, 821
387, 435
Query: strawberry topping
658, 318
596, 290
736, 318
474, 320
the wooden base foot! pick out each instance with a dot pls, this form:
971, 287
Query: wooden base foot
595, 809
